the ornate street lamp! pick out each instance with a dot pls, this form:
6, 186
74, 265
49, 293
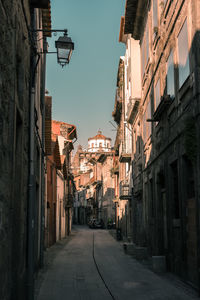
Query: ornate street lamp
64, 46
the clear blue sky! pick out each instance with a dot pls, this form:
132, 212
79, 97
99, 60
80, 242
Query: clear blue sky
83, 92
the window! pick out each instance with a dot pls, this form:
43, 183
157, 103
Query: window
157, 94
163, 3
134, 141
147, 125
145, 49
155, 14
170, 75
149, 117
138, 138
183, 57
142, 57
144, 127
147, 44
129, 89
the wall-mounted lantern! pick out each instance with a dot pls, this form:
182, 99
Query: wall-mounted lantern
64, 46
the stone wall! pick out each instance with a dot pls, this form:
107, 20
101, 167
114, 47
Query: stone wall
169, 171
14, 115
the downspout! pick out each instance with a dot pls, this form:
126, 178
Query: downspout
42, 221
31, 186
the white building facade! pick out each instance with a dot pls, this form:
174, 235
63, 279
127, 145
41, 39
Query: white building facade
99, 143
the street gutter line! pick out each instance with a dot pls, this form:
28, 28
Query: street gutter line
100, 272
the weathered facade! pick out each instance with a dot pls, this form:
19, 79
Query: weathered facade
60, 183
165, 126
93, 176
21, 136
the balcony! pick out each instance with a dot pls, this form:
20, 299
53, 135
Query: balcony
125, 152
124, 193
117, 108
165, 102
132, 109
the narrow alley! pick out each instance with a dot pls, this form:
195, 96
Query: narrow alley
91, 264
99, 149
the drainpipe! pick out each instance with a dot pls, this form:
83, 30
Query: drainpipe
31, 186
42, 222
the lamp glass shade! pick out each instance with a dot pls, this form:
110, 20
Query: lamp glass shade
63, 54
64, 47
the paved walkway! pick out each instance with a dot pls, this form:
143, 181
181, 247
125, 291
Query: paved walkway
77, 270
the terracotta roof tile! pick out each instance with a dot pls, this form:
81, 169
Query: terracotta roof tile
99, 136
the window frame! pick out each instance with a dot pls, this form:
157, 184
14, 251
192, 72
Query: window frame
147, 129
157, 21
145, 51
171, 52
180, 84
158, 80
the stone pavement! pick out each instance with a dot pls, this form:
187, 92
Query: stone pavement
76, 270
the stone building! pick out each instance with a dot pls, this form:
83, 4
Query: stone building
92, 169
165, 126
99, 143
123, 151
21, 142
60, 181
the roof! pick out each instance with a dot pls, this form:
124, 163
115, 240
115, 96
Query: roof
134, 17
122, 36
57, 155
66, 130
99, 136
46, 20
117, 108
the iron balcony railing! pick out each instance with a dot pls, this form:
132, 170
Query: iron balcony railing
132, 109
124, 190
125, 151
